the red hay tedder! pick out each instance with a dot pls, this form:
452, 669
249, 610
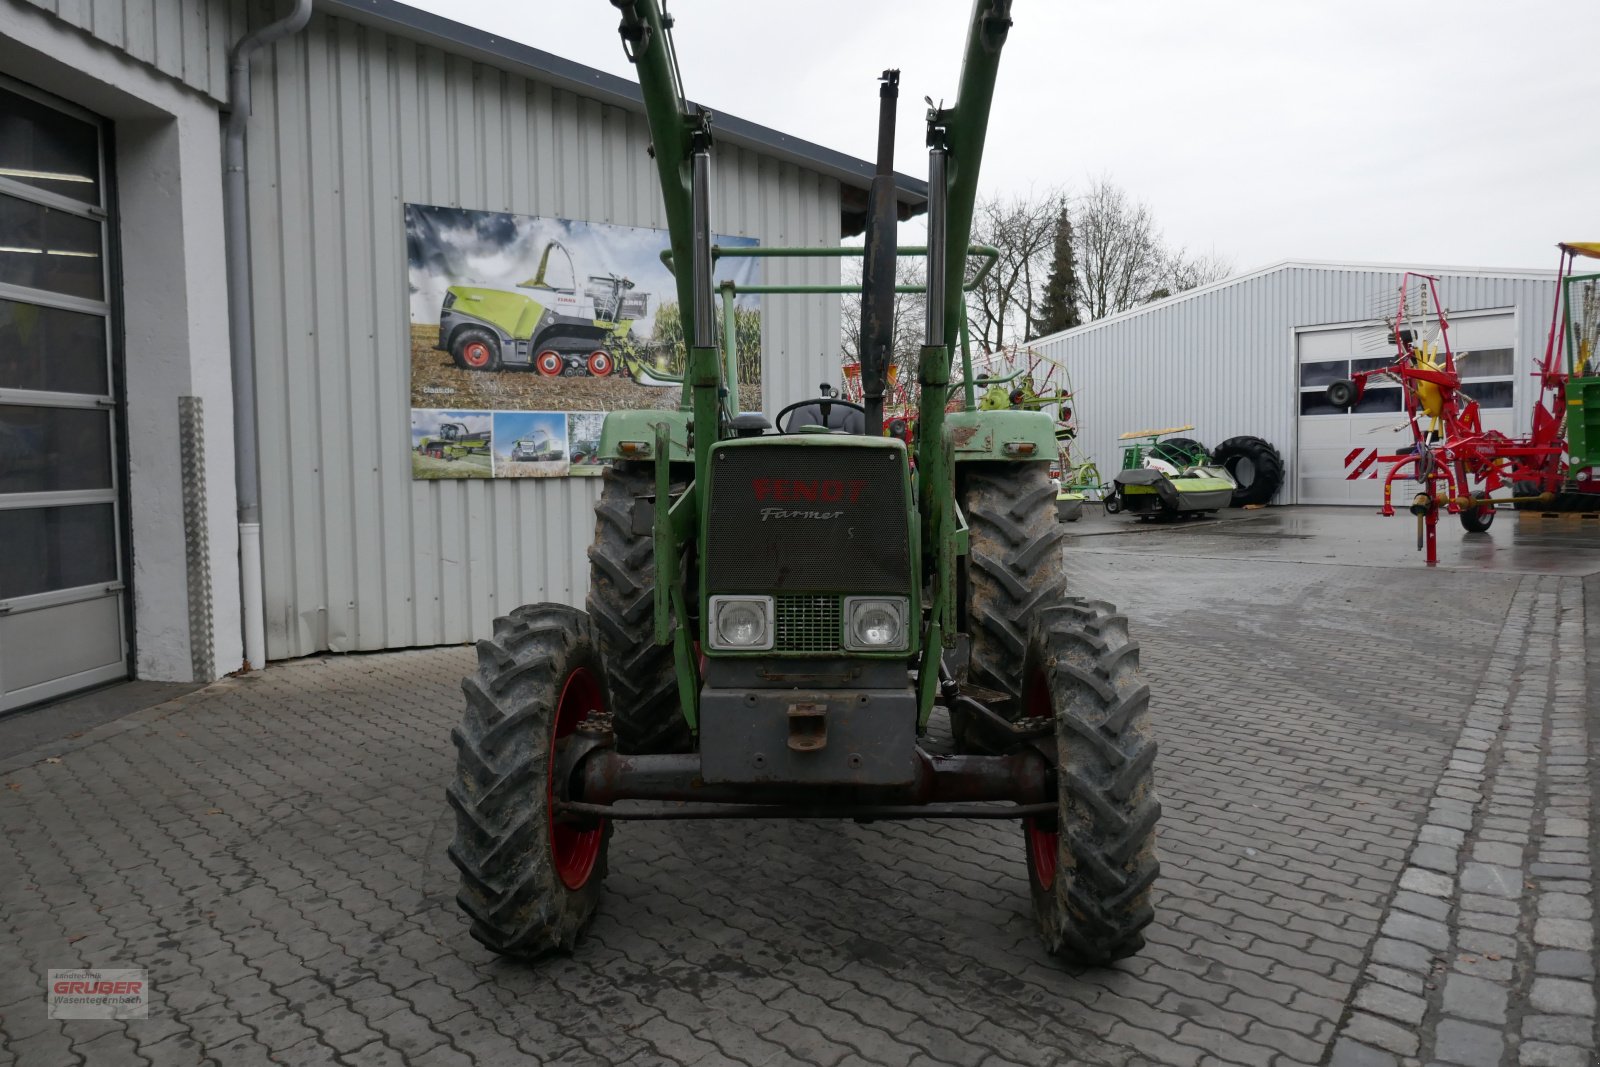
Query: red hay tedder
1460, 464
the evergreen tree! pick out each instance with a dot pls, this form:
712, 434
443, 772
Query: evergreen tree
1059, 311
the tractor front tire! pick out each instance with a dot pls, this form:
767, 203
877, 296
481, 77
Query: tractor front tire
529, 883
475, 348
1013, 567
640, 675
1091, 871
1255, 467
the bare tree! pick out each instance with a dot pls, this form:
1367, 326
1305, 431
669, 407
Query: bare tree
1184, 272
1115, 251
1002, 309
910, 309
1120, 258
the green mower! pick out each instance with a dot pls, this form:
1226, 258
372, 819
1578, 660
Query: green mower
1167, 479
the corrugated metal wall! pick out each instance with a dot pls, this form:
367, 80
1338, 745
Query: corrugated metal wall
1223, 358
349, 124
184, 39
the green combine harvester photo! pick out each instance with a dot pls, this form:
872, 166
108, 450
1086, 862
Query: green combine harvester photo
454, 442
553, 329
783, 616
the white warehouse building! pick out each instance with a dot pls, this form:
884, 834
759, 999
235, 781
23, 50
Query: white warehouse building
1253, 354
124, 350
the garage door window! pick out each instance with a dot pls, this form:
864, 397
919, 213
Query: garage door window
1375, 401
1317, 376
1487, 375
1324, 372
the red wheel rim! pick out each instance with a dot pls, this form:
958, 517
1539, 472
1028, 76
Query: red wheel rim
1044, 846
600, 363
549, 362
475, 354
573, 851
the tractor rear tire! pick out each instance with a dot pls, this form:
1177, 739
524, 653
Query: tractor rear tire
529, 884
640, 676
1259, 464
1013, 567
1091, 872
475, 348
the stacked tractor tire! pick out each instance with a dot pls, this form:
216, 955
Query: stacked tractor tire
1255, 467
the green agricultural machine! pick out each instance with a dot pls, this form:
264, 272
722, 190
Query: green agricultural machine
454, 442
1179, 476
540, 446
783, 617
555, 330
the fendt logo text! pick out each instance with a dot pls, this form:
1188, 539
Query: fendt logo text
814, 491
803, 491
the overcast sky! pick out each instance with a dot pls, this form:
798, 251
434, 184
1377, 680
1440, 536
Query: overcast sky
1421, 132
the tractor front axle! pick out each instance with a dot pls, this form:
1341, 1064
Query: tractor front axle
943, 786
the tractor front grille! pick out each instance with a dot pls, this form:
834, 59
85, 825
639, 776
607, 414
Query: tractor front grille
807, 624
812, 517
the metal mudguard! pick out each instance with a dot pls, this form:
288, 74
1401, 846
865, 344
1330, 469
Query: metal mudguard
1001, 435
810, 737
638, 428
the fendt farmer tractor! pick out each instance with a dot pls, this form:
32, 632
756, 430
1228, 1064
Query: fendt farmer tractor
559, 331
454, 442
776, 613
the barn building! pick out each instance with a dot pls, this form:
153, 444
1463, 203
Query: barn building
1253, 354
137, 416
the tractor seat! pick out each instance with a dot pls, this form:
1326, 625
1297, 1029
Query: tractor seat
840, 418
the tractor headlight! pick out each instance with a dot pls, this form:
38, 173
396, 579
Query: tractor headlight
741, 623
875, 624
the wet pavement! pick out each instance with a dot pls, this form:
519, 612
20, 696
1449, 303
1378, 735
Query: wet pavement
1377, 847
1516, 543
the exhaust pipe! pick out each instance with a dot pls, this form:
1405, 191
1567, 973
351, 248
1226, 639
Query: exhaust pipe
878, 268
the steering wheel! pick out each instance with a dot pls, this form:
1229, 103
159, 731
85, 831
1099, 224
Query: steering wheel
823, 403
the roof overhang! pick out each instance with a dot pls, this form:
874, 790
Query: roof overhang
854, 175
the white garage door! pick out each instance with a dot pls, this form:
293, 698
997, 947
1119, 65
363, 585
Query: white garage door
1338, 450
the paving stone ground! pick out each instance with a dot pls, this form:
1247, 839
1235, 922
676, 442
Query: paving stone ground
1377, 849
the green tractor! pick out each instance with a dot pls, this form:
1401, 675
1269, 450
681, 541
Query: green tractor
454, 442
782, 618
559, 330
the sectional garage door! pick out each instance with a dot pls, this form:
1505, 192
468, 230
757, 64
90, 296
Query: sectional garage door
1338, 450
61, 591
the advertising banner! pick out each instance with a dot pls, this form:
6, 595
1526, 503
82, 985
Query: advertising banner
526, 330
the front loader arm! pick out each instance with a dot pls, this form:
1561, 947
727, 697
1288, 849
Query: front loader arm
962, 129
955, 155
675, 133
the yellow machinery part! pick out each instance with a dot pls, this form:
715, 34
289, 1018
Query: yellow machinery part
1429, 395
